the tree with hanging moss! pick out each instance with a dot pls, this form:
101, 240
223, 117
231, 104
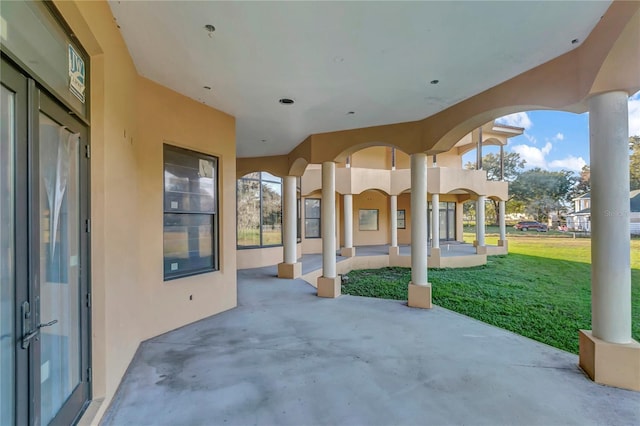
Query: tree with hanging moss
543, 191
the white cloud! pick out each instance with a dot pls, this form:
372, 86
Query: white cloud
519, 119
570, 163
559, 136
535, 157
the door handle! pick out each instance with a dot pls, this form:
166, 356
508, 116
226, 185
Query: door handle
47, 324
26, 339
29, 333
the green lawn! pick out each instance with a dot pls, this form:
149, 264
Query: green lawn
541, 290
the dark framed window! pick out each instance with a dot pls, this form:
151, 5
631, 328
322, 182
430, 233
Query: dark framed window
259, 210
190, 212
446, 220
312, 218
368, 219
401, 219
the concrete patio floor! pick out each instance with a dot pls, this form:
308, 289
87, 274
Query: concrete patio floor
287, 357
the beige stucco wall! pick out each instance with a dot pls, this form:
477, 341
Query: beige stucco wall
449, 159
131, 117
377, 157
167, 117
259, 257
404, 203
371, 200
403, 160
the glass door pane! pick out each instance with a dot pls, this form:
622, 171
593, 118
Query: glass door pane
442, 220
451, 221
7, 255
59, 253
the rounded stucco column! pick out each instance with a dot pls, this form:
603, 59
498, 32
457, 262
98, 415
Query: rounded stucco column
348, 250
328, 219
419, 219
289, 268
435, 221
610, 233
289, 220
501, 221
480, 220
348, 220
393, 207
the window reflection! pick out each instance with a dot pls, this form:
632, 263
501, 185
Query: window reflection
259, 208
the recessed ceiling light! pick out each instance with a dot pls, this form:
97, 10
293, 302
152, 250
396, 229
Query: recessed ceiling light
434, 81
286, 101
575, 41
206, 87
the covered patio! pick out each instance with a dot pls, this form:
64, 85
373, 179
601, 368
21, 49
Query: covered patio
285, 356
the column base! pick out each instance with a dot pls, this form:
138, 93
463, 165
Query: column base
419, 296
503, 243
612, 364
480, 249
348, 252
434, 258
329, 287
289, 270
394, 251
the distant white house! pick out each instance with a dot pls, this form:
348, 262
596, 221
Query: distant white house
580, 219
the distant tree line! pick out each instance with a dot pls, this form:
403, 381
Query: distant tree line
540, 193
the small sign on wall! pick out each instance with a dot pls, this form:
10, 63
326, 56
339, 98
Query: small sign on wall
76, 74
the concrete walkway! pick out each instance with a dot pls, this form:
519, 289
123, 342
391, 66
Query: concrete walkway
287, 357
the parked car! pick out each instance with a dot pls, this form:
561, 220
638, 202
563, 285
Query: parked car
531, 224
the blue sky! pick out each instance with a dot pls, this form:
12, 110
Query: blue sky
555, 140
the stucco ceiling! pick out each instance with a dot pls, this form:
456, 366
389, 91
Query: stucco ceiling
375, 59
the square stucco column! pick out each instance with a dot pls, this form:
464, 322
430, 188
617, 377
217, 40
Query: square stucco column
328, 283
608, 353
480, 241
393, 225
290, 267
348, 250
419, 287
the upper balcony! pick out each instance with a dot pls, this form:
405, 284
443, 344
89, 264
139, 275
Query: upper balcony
440, 180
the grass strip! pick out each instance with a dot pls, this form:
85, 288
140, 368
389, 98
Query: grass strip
541, 290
